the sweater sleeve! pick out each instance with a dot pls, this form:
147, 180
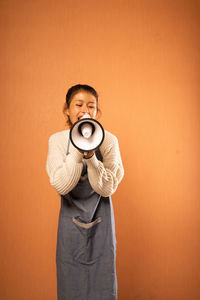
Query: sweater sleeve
105, 176
64, 170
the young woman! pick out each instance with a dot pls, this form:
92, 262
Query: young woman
86, 245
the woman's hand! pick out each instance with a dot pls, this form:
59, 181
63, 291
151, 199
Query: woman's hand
87, 155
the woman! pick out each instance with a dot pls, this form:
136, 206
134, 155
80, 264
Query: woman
86, 245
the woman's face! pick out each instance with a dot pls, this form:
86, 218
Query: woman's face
82, 102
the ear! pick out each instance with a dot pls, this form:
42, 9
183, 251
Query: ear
67, 111
98, 114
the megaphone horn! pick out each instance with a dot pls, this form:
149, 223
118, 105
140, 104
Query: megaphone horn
86, 134
86, 129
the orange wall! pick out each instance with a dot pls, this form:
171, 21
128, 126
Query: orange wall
143, 58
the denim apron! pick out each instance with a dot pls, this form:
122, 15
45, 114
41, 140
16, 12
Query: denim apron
86, 246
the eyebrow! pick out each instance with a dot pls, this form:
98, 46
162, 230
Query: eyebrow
83, 100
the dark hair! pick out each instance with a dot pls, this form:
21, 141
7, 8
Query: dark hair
75, 89
78, 87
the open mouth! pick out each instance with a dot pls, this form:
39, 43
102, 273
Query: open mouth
80, 117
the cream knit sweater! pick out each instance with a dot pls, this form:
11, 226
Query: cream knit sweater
65, 170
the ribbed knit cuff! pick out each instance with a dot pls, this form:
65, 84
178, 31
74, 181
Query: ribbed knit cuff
92, 162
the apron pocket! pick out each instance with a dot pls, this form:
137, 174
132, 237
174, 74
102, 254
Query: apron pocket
90, 240
83, 242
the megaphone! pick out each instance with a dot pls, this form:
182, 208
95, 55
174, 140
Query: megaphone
86, 134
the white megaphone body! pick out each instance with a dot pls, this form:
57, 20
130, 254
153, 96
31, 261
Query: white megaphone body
86, 134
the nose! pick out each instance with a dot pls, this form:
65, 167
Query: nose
85, 109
